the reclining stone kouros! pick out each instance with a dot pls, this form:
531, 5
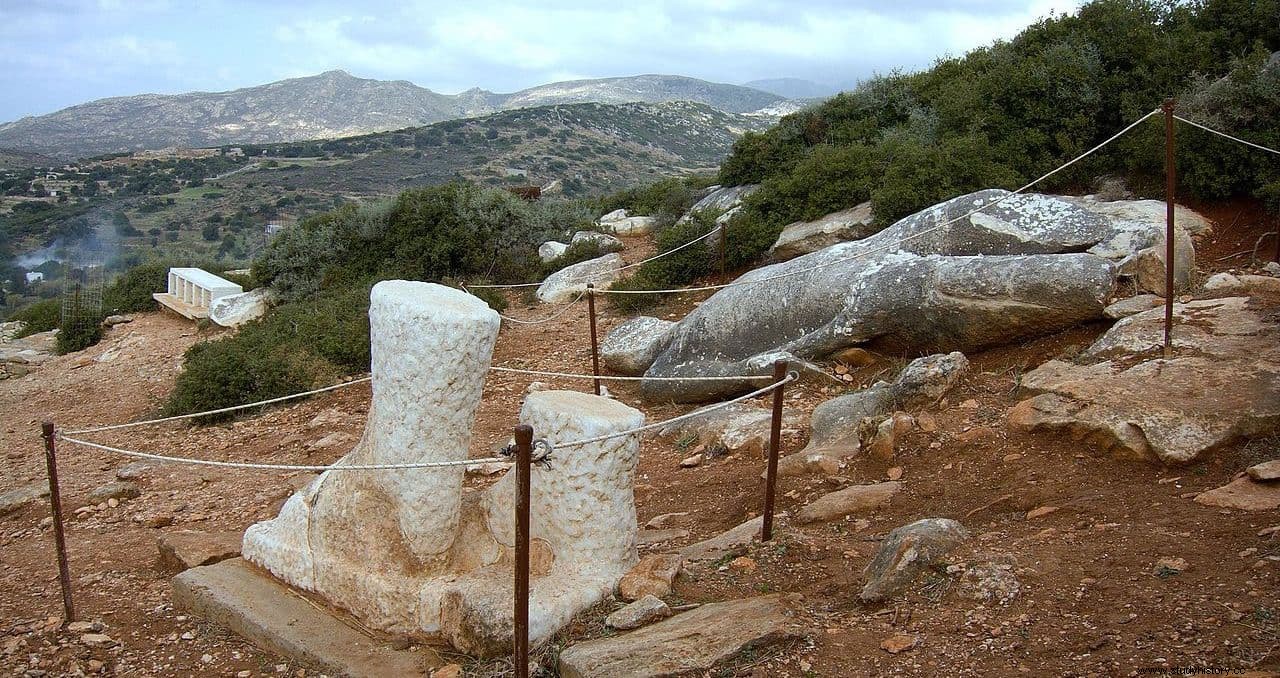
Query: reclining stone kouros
412, 551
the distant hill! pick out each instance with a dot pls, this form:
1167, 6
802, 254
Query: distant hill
330, 105
792, 88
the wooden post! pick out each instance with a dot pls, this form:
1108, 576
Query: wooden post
595, 345
55, 504
520, 626
1170, 182
724, 244
775, 444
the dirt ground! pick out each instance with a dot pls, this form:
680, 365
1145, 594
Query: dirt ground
1091, 602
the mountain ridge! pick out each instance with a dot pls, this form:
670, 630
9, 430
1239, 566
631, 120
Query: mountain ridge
331, 104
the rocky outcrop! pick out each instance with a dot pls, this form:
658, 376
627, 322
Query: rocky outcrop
237, 309
906, 553
632, 346
1132, 306
850, 500
632, 226
741, 427
1137, 240
721, 199
1222, 383
906, 289
805, 237
565, 285
689, 643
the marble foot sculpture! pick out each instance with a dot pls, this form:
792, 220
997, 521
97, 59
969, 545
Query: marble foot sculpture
411, 551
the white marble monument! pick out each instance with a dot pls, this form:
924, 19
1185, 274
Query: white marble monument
411, 551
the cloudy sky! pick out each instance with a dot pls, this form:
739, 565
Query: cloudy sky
55, 53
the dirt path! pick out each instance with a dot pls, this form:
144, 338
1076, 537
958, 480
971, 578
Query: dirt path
1090, 602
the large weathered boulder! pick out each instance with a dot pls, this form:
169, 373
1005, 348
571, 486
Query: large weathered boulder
804, 237
234, 310
632, 226
850, 500
907, 552
720, 199
1222, 383
632, 346
1137, 239
689, 643
565, 285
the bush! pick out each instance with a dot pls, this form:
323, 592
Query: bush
41, 316
79, 332
131, 292
672, 271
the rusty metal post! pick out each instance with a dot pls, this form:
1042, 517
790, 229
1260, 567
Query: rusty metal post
595, 345
724, 244
520, 628
1170, 182
59, 540
775, 444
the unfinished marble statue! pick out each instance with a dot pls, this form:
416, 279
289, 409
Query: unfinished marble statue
411, 551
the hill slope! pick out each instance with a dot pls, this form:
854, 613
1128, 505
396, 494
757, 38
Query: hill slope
329, 105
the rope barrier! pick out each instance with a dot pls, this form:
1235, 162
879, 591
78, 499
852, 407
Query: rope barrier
1225, 135
223, 410
898, 244
547, 319
570, 375
412, 465
791, 376
285, 467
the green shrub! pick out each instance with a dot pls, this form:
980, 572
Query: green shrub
493, 297
631, 304
41, 316
131, 292
672, 271
79, 332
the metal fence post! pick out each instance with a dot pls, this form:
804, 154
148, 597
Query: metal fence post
724, 243
1170, 182
775, 444
520, 629
595, 345
55, 504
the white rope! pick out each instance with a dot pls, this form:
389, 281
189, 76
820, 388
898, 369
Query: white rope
1225, 135
588, 278
603, 377
285, 467
897, 244
791, 376
549, 318
222, 410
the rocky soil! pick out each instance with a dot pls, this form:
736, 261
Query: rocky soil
1075, 562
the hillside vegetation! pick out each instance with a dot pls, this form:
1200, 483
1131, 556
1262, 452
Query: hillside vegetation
1004, 114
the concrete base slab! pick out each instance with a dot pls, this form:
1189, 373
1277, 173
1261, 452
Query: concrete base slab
243, 599
182, 308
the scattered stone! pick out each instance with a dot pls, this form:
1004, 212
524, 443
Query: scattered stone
804, 237
338, 440
602, 240
692, 642
898, 642
97, 640
691, 462
85, 627
17, 499
894, 473
1040, 512
1243, 493
743, 565
121, 489
653, 576
113, 320
1128, 399
908, 551
632, 346
185, 549
642, 612
1267, 470
565, 285
991, 579
134, 471
650, 537
1272, 268
551, 250
235, 310
1242, 284
808, 462
1132, 306
662, 521
448, 671
632, 226
738, 428
850, 500
1169, 566
733, 541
